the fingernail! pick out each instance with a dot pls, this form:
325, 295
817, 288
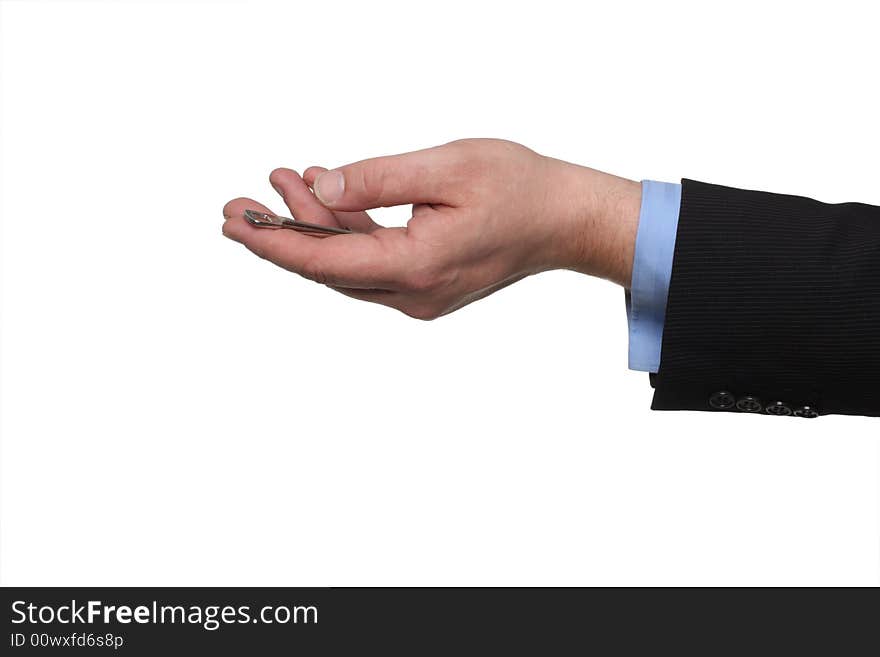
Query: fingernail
329, 187
278, 189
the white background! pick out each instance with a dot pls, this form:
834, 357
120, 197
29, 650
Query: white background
177, 411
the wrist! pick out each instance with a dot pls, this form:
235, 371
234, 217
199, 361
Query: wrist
598, 221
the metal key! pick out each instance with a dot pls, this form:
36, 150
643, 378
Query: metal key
264, 220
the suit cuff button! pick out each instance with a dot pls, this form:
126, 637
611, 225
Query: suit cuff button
778, 408
749, 404
806, 411
722, 400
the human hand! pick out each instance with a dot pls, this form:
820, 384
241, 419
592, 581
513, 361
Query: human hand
486, 213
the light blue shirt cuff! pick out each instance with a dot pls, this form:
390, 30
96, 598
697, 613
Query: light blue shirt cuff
652, 269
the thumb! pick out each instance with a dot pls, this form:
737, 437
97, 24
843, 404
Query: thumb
426, 176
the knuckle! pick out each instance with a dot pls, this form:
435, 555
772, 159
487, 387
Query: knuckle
468, 152
425, 279
420, 282
313, 271
373, 181
489, 160
425, 313
486, 147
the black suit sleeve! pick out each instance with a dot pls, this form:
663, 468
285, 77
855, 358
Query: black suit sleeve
773, 307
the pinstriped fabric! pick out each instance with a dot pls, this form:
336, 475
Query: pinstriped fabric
774, 296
